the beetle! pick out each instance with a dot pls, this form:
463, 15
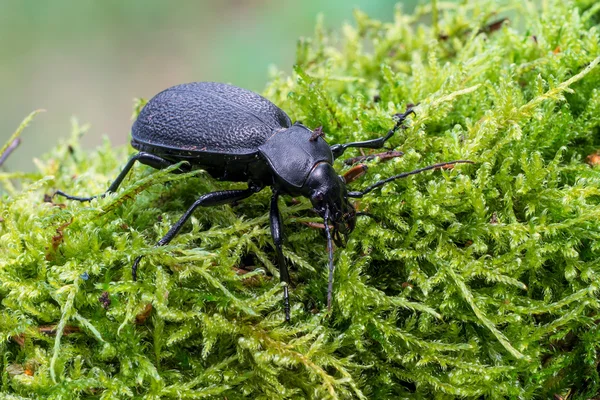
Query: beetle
237, 135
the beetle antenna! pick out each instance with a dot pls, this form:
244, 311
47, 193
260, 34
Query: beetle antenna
404, 175
330, 251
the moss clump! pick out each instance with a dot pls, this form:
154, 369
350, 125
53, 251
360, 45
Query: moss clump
480, 281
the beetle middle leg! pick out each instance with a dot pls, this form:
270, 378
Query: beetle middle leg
145, 158
277, 233
206, 200
339, 149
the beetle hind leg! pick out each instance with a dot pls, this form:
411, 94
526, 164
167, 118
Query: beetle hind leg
145, 158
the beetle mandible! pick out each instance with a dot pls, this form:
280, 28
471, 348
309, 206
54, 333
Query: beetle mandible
237, 135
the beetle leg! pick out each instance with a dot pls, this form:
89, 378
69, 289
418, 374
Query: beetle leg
326, 220
145, 158
277, 233
339, 149
404, 175
206, 200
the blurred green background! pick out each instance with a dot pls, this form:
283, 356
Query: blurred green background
89, 59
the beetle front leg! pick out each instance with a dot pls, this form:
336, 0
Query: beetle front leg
145, 158
339, 149
206, 200
277, 233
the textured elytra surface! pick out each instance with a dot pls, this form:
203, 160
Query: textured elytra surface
208, 116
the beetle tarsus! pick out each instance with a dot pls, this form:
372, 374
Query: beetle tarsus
330, 252
400, 117
134, 268
76, 198
145, 158
286, 302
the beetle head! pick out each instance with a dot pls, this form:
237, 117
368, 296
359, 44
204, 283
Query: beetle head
329, 197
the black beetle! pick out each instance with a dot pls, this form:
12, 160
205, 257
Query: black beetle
237, 135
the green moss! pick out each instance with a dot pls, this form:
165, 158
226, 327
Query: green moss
479, 281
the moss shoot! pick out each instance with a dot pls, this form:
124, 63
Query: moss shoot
479, 281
